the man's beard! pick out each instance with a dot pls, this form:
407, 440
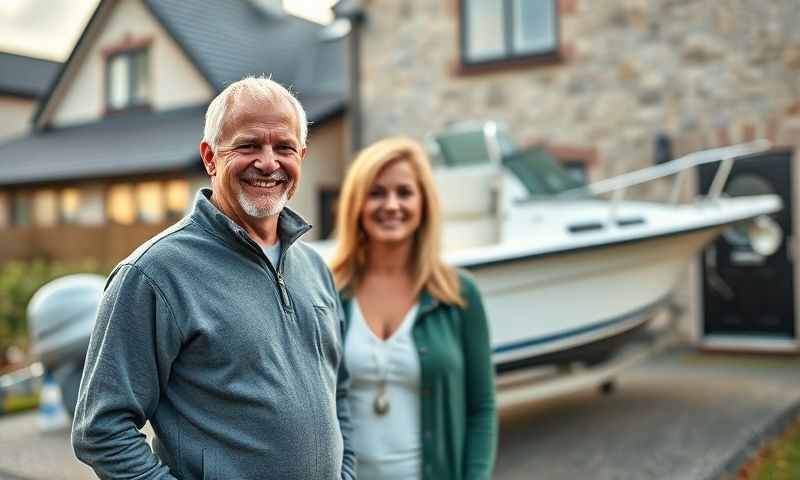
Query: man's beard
272, 208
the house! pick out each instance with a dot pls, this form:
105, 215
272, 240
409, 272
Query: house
22, 81
113, 154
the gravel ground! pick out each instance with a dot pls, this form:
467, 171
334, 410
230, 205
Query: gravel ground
681, 415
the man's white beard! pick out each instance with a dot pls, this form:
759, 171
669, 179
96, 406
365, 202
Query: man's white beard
263, 212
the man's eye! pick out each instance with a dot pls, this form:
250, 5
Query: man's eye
287, 148
246, 146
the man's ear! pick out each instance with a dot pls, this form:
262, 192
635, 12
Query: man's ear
303, 153
209, 160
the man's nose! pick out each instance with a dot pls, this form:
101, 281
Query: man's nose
267, 160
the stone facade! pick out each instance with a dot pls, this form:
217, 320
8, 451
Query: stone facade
704, 72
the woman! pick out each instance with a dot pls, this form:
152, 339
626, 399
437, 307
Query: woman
417, 342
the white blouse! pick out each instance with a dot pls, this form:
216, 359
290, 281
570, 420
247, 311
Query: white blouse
387, 446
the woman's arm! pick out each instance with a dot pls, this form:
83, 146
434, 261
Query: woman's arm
481, 441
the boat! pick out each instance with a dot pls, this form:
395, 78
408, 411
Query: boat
61, 315
571, 273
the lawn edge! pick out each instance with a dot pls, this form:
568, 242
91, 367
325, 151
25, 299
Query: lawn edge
772, 429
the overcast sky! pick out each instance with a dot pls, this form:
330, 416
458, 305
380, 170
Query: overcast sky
50, 28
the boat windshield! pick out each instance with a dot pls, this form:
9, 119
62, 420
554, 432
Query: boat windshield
473, 143
539, 172
460, 148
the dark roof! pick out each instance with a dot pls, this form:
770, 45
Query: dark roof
231, 39
131, 143
126, 144
228, 40
25, 76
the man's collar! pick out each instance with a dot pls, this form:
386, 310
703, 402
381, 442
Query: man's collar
291, 225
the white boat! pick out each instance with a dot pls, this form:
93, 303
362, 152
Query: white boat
566, 275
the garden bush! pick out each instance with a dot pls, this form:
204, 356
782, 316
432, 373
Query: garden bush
19, 280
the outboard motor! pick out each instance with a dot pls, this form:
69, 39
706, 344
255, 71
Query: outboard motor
61, 315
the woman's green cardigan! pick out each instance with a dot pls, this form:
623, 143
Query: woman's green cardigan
459, 421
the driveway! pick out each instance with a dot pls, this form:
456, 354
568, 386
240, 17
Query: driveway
681, 415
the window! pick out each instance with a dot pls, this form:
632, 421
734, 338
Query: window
121, 206
150, 202
328, 200
127, 79
147, 201
70, 205
577, 170
21, 213
502, 30
177, 198
45, 208
92, 205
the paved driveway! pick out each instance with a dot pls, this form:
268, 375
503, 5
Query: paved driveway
678, 416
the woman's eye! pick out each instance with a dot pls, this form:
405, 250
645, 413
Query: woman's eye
375, 193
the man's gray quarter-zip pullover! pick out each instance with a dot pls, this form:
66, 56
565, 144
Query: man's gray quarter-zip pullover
236, 364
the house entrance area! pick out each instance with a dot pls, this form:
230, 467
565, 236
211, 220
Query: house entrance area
749, 298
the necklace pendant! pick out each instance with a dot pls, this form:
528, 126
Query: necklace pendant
381, 404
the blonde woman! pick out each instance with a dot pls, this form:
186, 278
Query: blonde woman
417, 342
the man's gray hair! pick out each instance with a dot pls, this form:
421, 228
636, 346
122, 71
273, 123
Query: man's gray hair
260, 88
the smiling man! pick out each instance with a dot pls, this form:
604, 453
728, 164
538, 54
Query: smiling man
224, 330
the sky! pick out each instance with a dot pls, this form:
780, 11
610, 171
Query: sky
49, 28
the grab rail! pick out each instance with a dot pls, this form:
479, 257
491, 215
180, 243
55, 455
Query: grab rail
678, 167
726, 155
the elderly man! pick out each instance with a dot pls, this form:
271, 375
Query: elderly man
224, 330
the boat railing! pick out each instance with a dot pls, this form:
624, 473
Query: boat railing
679, 169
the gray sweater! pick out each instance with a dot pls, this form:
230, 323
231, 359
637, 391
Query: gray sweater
237, 365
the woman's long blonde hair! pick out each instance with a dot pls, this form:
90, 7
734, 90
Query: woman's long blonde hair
349, 259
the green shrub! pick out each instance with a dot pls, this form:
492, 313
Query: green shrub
18, 282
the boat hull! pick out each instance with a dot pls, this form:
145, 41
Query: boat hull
576, 306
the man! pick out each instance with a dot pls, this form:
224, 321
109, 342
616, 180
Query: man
223, 331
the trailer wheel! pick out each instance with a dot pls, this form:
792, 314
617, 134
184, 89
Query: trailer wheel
608, 387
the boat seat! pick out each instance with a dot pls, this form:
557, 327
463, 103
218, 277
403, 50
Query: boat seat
469, 204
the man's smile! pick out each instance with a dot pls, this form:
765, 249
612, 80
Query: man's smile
266, 182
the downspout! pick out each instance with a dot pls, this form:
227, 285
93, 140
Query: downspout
352, 11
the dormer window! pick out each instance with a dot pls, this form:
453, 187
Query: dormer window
508, 31
127, 79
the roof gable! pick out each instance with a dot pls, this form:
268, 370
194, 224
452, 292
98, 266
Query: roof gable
228, 40
79, 95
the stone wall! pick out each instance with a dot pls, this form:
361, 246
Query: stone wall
705, 72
